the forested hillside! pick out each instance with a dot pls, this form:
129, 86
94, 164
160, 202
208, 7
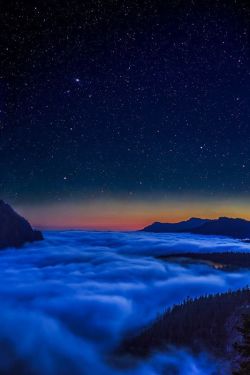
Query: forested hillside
206, 322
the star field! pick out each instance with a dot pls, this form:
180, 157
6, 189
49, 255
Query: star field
124, 98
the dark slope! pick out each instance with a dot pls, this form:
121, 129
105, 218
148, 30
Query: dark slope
208, 322
14, 229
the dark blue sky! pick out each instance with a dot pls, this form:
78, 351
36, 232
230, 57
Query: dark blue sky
124, 98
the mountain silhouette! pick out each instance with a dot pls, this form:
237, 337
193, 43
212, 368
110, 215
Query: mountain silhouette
182, 226
14, 229
224, 226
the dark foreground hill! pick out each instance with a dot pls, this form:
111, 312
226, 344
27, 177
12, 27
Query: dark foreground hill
224, 226
208, 322
14, 229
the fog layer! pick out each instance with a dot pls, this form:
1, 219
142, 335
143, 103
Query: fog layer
68, 301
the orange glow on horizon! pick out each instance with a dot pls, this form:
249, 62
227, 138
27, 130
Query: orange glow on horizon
118, 214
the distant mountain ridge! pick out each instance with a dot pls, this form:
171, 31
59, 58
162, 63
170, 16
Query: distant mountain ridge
224, 226
182, 226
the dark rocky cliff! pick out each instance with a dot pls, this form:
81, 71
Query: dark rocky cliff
14, 229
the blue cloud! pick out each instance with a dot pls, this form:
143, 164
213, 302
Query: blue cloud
67, 302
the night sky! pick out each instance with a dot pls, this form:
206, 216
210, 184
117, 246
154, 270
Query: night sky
124, 103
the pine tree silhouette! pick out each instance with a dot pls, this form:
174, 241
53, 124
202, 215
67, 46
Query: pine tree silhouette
244, 347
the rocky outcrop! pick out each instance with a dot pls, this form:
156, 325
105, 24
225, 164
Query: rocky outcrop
14, 229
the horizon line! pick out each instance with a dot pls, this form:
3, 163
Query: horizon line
121, 228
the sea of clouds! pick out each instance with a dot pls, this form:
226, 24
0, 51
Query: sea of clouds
67, 302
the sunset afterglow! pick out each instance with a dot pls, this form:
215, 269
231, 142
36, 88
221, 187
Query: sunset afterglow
129, 214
